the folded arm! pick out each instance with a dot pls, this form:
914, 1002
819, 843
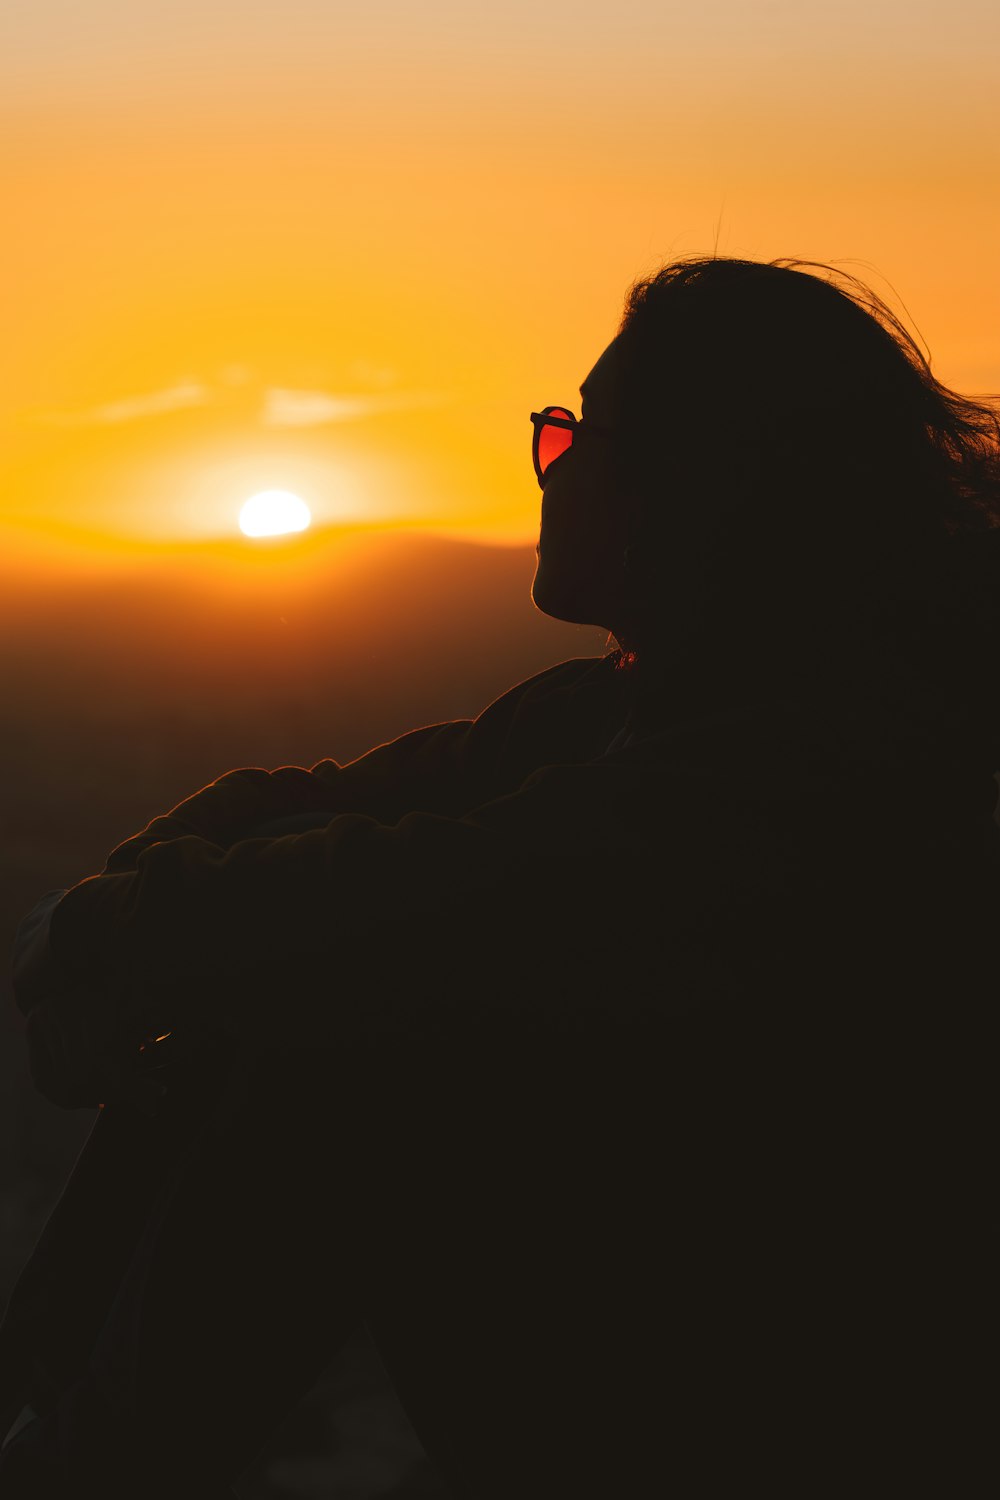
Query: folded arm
353, 925
217, 883
443, 768
232, 807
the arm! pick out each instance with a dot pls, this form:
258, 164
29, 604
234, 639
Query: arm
446, 768
231, 807
347, 926
436, 772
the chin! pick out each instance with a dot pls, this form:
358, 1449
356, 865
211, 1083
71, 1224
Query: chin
545, 596
562, 603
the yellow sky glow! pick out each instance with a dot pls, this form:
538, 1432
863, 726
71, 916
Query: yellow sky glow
346, 254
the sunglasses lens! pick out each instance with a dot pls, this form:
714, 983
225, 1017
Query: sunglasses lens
553, 440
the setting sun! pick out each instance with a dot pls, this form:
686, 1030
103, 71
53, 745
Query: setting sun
273, 512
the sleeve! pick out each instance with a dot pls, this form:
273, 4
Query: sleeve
339, 928
231, 807
446, 768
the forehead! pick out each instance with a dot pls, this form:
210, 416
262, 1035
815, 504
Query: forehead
600, 388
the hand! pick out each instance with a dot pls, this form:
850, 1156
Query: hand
78, 1057
80, 1052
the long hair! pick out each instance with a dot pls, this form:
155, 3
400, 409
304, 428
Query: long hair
767, 357
798, 471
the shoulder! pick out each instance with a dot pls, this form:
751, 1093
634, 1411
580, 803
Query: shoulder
589, 687
568, 712
580, 673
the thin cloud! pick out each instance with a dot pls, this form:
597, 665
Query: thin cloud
186, 394
281, 406
289, 408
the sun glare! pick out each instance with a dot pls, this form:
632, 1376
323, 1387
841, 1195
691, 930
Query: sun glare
273, 512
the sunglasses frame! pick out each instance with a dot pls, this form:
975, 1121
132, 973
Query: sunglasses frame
543, 418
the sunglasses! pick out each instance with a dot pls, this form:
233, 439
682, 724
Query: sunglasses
553, 431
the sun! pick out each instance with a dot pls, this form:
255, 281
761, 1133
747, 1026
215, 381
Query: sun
273, 512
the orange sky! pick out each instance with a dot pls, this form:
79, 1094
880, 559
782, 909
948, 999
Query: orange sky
345, 250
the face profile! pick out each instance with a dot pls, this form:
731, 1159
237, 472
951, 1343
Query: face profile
584, 526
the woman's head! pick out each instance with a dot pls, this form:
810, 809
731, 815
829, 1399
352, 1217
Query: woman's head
778, 439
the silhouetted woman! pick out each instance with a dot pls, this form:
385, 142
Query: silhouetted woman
620, 1057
